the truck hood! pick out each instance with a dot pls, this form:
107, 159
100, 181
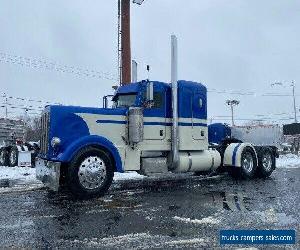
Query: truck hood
67, 124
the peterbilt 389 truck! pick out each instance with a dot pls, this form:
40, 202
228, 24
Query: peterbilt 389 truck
153, 127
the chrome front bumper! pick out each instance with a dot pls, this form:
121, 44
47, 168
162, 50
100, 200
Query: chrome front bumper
48, 172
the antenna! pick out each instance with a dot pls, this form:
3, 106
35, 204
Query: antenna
148, 72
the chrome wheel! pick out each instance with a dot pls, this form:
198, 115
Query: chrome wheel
267, 161
92, 172
2, 157
248, 162
13, 157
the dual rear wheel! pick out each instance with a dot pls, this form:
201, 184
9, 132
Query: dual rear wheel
3, 157
13, 157
9, 157
261, 166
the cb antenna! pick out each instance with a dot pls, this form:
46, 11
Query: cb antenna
148, 72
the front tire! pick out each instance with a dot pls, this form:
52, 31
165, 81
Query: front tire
90, 173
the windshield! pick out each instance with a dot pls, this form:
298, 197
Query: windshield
125, 100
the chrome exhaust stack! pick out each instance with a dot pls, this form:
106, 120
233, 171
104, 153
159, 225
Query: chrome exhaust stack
174, 84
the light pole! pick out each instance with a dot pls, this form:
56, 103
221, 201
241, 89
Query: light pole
294, 98
232, 103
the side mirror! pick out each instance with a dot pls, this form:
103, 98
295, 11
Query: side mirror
150, 92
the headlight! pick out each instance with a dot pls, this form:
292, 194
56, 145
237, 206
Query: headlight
55, 141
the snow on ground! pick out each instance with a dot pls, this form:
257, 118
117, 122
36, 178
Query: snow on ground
288, 161
28, 174
18, 179
24, 174
128, 176
207, 220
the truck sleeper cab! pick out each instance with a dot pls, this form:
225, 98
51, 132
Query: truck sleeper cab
83, 147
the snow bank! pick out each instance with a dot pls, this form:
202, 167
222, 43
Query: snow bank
23, 174
128, 176
185, 242
288, 161
207, 220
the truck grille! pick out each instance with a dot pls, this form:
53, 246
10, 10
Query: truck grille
45, 121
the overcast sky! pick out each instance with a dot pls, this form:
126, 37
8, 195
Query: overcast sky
232, 45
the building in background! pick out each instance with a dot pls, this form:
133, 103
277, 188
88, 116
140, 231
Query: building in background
11, 130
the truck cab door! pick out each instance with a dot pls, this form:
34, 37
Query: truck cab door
199, 122
155, 117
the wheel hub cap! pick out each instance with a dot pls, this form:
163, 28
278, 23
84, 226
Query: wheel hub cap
247, 162
92, 172
13, 157
2, 157
267, 162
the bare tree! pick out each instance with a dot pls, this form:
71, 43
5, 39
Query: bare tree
32, 129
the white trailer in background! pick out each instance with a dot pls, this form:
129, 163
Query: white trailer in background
270, 135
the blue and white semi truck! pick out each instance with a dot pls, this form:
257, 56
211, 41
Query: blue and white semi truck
153, 127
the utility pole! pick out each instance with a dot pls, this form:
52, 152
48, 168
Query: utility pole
293, 94
232, 103
6, 112
124, 40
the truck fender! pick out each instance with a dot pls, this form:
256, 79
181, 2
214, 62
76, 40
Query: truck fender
91, 140
233, 154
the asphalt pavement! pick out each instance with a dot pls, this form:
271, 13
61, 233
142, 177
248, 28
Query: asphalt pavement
185, 212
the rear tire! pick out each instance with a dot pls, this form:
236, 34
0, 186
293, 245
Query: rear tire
13, 157
90, 173
266, 162
3, 157
248, 165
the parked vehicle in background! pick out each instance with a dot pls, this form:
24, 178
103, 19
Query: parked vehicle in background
14, 150
291, 134
263, 135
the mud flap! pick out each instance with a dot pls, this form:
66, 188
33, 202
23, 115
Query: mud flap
24, 159
48, 172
